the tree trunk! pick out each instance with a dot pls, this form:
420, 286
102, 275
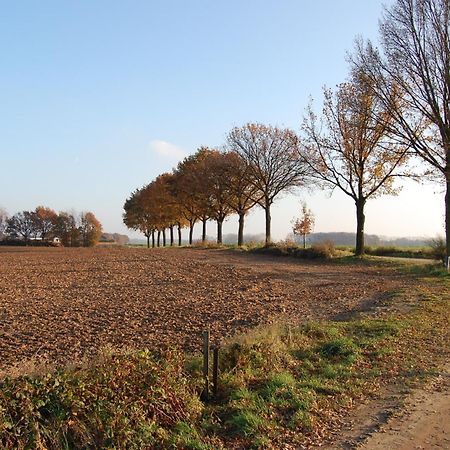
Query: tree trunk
360, 219
268, 220
304, 241
171, 235
191, 232
153, 238
164, 237
219, 231
447, 219
148, 240
241, 230
159, 238
179, 236
204, 229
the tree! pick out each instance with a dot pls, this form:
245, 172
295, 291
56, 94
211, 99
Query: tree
304, 225
90, 229
21, 225
271, 155
45, 221
3, 222
167, 209
203, 185
218, 189
66, 228
351, 149
415, 60
154, 208
138, 214
243, 193
190, 186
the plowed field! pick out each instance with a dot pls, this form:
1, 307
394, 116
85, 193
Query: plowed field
65, 304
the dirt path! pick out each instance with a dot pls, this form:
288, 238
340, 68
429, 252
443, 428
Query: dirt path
423, 422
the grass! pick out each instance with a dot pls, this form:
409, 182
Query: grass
327, 250
321, 250
400, 252
278, 384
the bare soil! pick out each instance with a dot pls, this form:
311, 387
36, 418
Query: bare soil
396, 418
422, 423
62, 305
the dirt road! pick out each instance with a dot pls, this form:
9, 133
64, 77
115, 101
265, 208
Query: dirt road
423, 422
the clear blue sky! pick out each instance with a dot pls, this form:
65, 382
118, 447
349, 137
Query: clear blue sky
99, 97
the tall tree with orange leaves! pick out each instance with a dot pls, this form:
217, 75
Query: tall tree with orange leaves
243, 194
45, 222
351, 148
217, 188
90, 229
191, 188
139, 215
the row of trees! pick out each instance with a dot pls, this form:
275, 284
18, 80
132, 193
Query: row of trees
395, 106
208, 185
260, 162
44, 224
413, 60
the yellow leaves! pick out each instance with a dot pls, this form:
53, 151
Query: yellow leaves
353, 149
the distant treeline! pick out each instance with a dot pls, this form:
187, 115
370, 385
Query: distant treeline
43, 226
370, 239
340, 238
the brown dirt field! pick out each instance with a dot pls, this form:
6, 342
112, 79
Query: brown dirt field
66, 304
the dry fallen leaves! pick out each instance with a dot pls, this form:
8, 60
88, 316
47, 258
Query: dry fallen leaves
65, 304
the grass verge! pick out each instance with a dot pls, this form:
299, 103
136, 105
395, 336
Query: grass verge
278, 385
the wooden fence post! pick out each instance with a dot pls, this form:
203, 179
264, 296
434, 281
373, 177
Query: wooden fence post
206, 364
215, 370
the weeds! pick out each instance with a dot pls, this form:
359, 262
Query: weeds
322, 250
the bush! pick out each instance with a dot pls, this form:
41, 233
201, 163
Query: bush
324, 249
130, 400
276, 250
206, 244
438, 249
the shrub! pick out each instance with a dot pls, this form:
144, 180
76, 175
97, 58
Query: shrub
438, 250
206, 244
324, 249
129, 400
276, 250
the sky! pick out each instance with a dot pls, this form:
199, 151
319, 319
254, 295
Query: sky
98, 97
